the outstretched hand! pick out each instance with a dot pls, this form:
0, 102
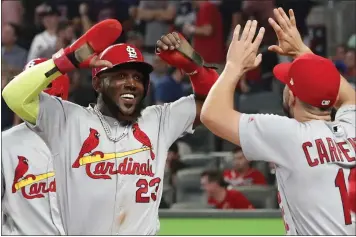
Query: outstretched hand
289, 39
242, 54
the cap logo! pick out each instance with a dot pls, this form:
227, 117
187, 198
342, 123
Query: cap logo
132, 52
325, 102
291, 82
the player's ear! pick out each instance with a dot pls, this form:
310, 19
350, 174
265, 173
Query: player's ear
291, 98
96, 82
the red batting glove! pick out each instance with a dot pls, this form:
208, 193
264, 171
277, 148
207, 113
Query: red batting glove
93, 42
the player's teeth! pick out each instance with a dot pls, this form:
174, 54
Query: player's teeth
128, 96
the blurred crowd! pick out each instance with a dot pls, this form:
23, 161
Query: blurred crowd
39, 28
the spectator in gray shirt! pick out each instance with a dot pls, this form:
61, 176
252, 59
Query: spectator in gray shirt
159, 16
13, 55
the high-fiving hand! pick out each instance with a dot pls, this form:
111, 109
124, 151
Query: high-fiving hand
289, 39
242, 54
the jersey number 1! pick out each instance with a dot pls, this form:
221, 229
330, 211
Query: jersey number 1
340, 183
143, 187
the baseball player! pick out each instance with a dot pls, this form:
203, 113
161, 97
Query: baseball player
109, 158
28, 197
312, 154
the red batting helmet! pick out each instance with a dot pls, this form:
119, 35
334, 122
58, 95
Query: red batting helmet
59, 87
125, 54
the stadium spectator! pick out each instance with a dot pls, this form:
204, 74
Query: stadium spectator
350, 63
13, 55
261, 10
339, 58
98, 10
351, 43
65, 36
185, 15
12, 12
135, 38
219, 196
340, 52
174, 163
86, 19
157, 15
68, 9
167, 87
47, 39
231, 16
207, 32
7, 116
242, 173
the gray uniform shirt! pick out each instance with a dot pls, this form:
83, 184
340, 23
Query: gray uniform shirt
106, 187
313, 161
29, 201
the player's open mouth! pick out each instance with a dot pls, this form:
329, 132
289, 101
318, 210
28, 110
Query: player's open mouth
130, 98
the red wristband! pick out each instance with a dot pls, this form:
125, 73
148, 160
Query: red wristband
62, 62
202, 80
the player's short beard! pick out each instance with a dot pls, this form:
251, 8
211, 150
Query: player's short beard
114, 108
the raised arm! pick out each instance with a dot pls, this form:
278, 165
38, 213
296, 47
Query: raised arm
177, 52
218, 113
22, 93
291, 44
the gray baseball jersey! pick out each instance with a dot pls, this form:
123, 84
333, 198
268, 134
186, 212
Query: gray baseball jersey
313, 161
29, 202
108, 187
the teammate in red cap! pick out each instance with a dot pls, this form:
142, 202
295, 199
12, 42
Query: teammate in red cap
28, 181
110, 157
313, 154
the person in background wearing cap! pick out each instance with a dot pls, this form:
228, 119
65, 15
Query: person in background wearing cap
28, 194
312, 154
110, 157
47, 39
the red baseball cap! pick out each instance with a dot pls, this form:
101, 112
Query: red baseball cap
312, 79
121, 54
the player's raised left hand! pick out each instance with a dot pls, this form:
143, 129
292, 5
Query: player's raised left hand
242, 54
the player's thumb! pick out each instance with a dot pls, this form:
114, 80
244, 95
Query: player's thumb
276, 49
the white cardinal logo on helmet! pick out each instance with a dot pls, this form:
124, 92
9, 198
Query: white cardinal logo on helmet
131, 51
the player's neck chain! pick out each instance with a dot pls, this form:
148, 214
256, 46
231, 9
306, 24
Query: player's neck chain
107, 127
